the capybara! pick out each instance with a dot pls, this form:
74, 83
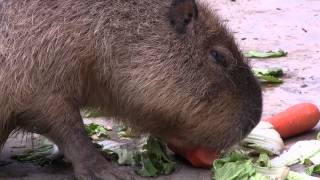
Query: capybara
168, 68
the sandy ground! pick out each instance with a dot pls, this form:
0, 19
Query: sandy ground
293, 26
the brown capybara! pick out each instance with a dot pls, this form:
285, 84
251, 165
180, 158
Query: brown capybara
169, 68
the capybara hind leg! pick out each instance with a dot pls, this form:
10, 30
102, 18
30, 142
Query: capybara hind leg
60, 120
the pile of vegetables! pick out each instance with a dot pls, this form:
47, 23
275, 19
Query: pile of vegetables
259, 156
266, 140
148, 156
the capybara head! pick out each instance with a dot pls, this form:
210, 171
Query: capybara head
189, 81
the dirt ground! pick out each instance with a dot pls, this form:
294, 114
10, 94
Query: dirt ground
293, 26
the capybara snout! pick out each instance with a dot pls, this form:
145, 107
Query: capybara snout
169, 68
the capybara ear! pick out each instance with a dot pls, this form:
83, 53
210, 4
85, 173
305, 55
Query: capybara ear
182, 12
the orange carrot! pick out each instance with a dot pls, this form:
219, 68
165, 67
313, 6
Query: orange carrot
199, 157
296, 119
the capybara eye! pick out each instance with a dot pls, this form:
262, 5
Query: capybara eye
218, 58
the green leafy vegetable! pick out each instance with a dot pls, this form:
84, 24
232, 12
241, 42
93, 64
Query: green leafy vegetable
264, 160
150, 158
307, 162
153, 160
97, 130
121, 156
276, 72
273, 172
259, 176
34, 155
235, 170
314, 169
299, 176
268, 75
125, 132
43, 155
268, 54
147, 168
91, 113
234, 166
270, 79
230, 157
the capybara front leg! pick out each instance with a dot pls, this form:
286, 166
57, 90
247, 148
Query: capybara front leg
59, 119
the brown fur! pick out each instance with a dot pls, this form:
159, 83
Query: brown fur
57, 56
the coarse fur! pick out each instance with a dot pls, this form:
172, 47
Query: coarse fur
126, 58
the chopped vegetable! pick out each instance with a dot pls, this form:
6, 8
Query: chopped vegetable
150, 158
268, 75
263, 166
268, 54
202, 157
96, 131
269, 79
273, 172
315, 159
296, 119
264, 138
47, 153
117, 151
35, 154
91, 113
125, 132
258, 176
197, 156
235, 165
299, 176
264, 160
232, 167
276, 72
298, 152
314, 169
125, 157
307, 162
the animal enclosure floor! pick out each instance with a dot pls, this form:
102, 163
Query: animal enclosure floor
293, 26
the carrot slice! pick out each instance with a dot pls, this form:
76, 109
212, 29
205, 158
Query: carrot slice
198, 157
202, 157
